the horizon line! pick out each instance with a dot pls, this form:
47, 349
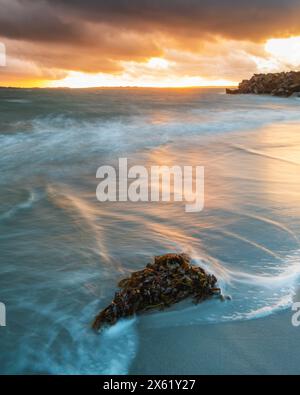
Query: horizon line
118, 87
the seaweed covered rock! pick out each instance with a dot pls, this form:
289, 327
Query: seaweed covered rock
276, 84
168, 280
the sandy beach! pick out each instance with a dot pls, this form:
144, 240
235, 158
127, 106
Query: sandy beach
264, 346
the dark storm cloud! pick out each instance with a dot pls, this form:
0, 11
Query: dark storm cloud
98, 35
36, 21
239, 19
55, 36
56, 20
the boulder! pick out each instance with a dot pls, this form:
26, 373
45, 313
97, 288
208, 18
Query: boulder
167, 280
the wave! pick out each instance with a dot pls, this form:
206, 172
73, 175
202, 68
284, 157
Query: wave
263, 154
283, 303
34, 196
266, 220
18, 101
67, 345
85, 216
62, 140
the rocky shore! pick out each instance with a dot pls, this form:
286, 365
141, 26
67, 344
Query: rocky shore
276, 84
168, 280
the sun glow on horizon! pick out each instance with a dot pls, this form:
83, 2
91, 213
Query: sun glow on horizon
76, 79
83, 80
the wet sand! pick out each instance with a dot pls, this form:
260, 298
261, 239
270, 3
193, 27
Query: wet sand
267, 345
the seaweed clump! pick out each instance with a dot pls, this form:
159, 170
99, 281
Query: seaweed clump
168, 280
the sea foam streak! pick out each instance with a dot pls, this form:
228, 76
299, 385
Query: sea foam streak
71, 347
34, 196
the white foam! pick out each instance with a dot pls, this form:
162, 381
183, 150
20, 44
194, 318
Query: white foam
61, 139
119, 328
69, 345
281, 304
18, 101
27, 204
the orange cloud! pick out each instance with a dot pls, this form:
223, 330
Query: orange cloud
200, 41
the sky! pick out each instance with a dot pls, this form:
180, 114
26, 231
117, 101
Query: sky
160, 43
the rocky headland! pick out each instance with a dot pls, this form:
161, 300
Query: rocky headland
283, 84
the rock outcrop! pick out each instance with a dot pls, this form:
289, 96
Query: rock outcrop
168, 280
276, 84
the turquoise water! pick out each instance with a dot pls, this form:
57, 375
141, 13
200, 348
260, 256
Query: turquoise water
62, 252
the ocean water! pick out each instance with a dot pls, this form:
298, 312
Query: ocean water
62, 252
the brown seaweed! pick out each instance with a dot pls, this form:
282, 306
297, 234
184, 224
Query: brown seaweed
168, 280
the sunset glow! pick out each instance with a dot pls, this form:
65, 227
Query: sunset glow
84, 80
285, 50
174, 45
158, 63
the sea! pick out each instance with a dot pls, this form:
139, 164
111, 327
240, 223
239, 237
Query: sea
62, 251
